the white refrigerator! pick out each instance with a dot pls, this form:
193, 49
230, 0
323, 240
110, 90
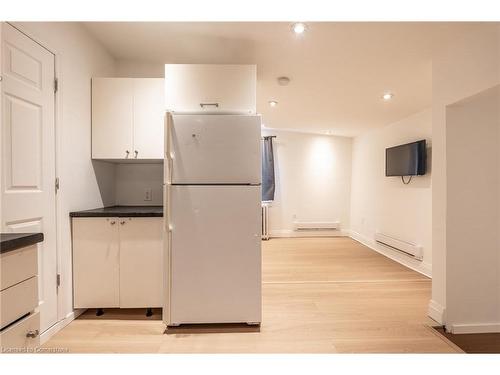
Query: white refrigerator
212, 219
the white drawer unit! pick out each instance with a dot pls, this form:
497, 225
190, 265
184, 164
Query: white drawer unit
210, 88
18, 300
19, 320
127, 119
24, 334
117, 262
18, 265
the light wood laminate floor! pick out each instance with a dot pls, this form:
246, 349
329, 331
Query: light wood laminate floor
320, 295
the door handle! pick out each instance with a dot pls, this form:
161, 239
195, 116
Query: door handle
127, 152
32, 334
122, 222
170, 162
203, 105
113, 222
136, 153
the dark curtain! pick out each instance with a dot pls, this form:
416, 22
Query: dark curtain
267, 169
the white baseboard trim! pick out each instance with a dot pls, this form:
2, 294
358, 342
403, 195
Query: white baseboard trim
284, 233
474, 328
45, 336
436, 312
416, 265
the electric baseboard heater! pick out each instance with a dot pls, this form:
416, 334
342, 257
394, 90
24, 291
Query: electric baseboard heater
412, 250
315, 225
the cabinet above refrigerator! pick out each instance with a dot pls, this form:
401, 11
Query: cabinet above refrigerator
208, 88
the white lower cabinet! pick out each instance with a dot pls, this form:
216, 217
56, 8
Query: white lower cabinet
117, 262
96, 262
141, 279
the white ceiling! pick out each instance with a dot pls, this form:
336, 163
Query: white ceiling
338, 71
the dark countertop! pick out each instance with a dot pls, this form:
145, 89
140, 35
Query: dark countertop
13, 241
121, 211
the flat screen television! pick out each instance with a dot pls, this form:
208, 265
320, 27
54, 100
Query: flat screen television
406, 160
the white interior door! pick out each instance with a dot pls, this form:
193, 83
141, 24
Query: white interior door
215, 254
28, 155
215, 149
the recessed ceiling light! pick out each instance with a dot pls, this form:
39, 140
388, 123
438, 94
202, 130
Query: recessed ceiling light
388, 96
273, 103
299, 28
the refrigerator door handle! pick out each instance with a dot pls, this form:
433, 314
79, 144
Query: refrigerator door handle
168, 227
169, 154
170, 167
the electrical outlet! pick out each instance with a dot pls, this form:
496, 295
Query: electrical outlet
148, 194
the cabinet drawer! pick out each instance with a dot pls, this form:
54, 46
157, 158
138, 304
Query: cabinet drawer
23, 334
18, 300
18, 265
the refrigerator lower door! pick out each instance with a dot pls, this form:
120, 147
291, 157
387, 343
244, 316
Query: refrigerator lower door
215, 255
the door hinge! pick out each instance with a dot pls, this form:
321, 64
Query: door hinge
57, 184
58, 280
56, 85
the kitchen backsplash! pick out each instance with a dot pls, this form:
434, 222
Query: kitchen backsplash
139, 184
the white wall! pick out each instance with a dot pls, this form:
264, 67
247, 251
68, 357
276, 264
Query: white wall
385, 204
467, 67
84, 184
133, 179
139, 69
313, 180
473, 222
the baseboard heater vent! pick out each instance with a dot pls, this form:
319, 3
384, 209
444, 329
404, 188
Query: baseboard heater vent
265, 221
315, 225
412, 250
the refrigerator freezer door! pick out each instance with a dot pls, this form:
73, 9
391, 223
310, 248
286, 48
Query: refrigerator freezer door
215, 149
215, 255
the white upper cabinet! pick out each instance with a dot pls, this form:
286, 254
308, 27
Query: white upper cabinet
149, 116
112, 118
127, 118
195, 88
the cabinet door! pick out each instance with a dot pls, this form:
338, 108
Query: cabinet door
141, 246
96, 278
112, 118
148, 118
210, 88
